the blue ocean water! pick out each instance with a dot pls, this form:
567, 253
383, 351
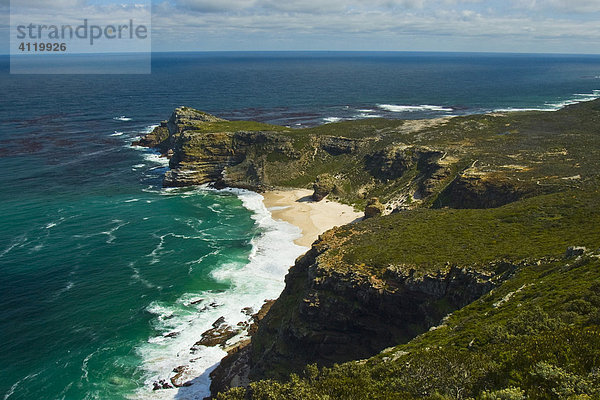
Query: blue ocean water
100, 264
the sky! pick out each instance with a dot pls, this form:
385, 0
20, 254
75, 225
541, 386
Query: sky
524, 26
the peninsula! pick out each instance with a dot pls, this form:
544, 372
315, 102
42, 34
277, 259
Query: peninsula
475, 274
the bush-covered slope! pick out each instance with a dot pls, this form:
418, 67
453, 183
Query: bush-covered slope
536, 336
382, 282
476, 161
461, 290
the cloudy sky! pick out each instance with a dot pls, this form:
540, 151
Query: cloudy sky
553, 26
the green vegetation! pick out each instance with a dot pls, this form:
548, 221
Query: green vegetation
406, 164
235, 126
535, 337
496, 197
431, 240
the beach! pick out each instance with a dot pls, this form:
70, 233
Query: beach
313, 218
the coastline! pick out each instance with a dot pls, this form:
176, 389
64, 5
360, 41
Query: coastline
296, 207
289, 222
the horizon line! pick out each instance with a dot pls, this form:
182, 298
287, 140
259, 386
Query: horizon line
330, 51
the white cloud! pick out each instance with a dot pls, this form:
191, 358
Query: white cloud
216, 5
305, 6
571, 6
46, 4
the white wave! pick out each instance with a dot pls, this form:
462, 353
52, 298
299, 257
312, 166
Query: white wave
403, 108
122, 118
156, 253
365, 115
117, 133
252, 282
19, 241
329, 120
111, 231
131, 200
149, 129
37, 248
14, 387
51, 225
68, 287
577, 98
137, 277
366, 110
156, 157
511, 109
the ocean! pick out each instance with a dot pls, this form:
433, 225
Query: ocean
108, 278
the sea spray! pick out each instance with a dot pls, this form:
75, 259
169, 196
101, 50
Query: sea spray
180, 325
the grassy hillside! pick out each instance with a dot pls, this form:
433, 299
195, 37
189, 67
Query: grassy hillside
451, 162
484, 209
535, 337
429, 240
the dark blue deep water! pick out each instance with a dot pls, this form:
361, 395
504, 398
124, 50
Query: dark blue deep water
99, 263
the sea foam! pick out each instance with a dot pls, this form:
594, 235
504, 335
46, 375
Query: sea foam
555, 106
180, 325
404, 108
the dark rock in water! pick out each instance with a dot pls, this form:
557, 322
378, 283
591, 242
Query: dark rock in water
218, 322
575, 251
248, 311
177, 380
234, 369
218, 335
172, 334
374, 208
161, 384
197, 301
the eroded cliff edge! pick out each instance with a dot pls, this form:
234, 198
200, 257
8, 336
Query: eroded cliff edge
486, 201
478, 161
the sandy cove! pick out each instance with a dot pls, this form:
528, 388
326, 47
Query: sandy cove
313, 218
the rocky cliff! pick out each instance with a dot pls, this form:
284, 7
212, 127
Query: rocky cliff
384, 290
464, 162
331, 313
461, 209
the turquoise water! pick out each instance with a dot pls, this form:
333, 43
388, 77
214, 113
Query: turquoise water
93, 279
99, 263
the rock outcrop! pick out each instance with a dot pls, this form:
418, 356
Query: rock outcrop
474, 189
323, 186
394, 161
203, 148
374, 208
331, 314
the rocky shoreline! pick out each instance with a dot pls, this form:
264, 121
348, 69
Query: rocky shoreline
456, 211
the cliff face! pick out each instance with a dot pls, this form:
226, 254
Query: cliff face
459, 208
331, 314
202, 148
476, 161
395, 281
